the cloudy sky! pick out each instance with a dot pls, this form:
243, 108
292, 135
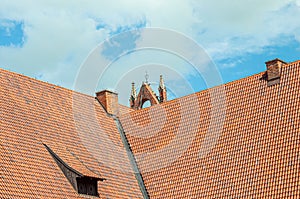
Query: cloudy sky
54, 40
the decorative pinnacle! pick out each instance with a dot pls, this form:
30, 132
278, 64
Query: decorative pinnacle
147, 77
161, 82
133, 91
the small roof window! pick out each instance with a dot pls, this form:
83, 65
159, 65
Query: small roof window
83, 181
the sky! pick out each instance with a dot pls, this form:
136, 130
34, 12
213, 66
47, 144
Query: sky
93, 45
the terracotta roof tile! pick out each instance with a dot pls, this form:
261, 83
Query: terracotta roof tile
255, 155
75, 125
69, 158
124, 109
243, 144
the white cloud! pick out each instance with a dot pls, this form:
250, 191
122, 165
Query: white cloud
232, 28
60, 34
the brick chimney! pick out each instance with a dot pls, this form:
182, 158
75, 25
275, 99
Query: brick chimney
274, 71
109, 101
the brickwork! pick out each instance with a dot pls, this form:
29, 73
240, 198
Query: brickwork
145, 94
162, 95
109, 101
274, 71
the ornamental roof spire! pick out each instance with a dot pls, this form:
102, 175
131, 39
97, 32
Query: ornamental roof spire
133, 91
147, 77
161, 82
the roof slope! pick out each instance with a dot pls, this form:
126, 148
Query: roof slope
255, 153
124, 109
32, 113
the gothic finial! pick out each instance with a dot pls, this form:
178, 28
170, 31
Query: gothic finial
161, 82
162, 90
133, 91
147, 77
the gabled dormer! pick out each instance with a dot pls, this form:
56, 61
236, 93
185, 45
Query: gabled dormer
82, 180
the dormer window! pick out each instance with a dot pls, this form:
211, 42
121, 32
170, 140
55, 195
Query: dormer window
82, 180
87, 186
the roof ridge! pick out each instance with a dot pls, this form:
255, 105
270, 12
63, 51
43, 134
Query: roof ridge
289, 64
198, 92
44, 82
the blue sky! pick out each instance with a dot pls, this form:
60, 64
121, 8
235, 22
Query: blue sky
50, 40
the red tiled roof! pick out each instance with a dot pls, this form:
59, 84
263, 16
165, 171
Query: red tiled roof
256, 153
243, 144
74, 126
124, 109
71, 160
